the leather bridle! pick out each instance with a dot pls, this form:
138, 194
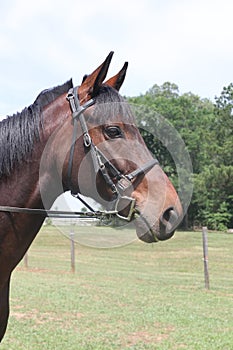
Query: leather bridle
119, 183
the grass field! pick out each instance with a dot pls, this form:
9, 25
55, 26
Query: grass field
135, 297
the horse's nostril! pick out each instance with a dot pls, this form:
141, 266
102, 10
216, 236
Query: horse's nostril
167, 214
169, 219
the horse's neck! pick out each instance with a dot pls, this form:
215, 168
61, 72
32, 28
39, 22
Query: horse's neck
37, 174
29, 186
56, 144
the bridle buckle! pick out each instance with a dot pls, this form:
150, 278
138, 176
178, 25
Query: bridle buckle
125, 207
87, 140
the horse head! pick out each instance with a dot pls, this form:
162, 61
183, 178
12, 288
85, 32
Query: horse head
110, 161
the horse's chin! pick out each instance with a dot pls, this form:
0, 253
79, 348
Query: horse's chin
152, 237
152, 234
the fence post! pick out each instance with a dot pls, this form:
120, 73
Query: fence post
205, 257
72, 251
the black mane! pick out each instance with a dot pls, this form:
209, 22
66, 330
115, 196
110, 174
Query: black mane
19, 132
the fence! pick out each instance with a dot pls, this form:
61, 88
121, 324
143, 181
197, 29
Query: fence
72, 253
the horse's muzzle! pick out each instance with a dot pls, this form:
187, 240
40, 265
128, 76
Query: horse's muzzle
162, 230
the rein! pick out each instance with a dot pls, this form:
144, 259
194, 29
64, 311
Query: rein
59, 213
101, 164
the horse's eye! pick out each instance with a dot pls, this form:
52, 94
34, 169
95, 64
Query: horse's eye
113, 132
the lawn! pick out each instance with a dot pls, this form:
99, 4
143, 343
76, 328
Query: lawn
137, 296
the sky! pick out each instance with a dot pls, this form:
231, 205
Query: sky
44, 43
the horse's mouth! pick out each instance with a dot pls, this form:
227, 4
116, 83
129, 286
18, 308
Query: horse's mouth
152, 233
152, 236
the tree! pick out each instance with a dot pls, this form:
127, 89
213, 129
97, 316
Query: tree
213, 196
206, 129
223, 126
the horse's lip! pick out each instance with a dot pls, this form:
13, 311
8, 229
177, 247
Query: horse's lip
147, 235
151, 234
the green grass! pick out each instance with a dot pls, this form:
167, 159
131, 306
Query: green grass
137, 297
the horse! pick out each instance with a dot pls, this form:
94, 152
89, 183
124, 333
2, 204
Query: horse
81, 139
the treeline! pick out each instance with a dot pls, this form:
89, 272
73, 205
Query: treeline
206, 129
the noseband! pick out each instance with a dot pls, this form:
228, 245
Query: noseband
120, 184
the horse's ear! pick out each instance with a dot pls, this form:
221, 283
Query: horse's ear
91, 84
118, 79
84, 78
